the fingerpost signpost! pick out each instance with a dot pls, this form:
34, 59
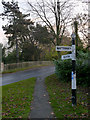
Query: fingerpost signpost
73, 57
73, 70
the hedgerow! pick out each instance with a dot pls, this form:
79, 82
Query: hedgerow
63, 69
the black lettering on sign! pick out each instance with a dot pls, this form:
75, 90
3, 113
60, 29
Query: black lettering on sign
66, 56
58, 48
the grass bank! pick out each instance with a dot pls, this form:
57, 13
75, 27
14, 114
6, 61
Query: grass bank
60, 99
22, 69
16, 98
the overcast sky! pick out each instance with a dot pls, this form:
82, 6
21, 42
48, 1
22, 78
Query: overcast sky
23, 5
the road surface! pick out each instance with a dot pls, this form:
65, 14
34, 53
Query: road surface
21, 75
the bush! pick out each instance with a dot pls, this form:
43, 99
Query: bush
82, 73
64, 69
83, 55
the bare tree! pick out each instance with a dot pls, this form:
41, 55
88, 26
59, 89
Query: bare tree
55, 14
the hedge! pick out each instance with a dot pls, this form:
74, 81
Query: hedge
64, 68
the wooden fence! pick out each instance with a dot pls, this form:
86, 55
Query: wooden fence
13, 66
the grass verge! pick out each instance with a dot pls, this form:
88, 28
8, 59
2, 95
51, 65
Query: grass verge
22, 69
16, 98
60, 99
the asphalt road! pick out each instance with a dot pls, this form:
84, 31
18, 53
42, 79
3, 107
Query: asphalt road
21, 75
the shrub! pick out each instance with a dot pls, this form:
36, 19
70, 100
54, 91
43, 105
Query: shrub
64, 68
83, 55
82, 73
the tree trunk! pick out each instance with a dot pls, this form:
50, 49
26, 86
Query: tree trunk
76, 32
58, 42
17, 52
58, 26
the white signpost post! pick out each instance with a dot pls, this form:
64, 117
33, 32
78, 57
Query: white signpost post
73, 57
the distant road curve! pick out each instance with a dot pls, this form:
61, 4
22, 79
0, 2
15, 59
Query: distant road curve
21, 75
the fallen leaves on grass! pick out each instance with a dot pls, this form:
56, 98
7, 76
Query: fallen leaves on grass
17, 98
61, 101
24, 98
20, 117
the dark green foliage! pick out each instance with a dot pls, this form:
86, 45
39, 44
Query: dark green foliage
64, 68
10, 58
41, 34
17, 28
82, 70
4, 55
83, 55
30, 52
27, 39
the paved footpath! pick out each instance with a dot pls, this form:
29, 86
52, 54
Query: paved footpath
40, 107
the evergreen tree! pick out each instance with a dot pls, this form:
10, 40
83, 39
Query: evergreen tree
41, 34
17, 27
